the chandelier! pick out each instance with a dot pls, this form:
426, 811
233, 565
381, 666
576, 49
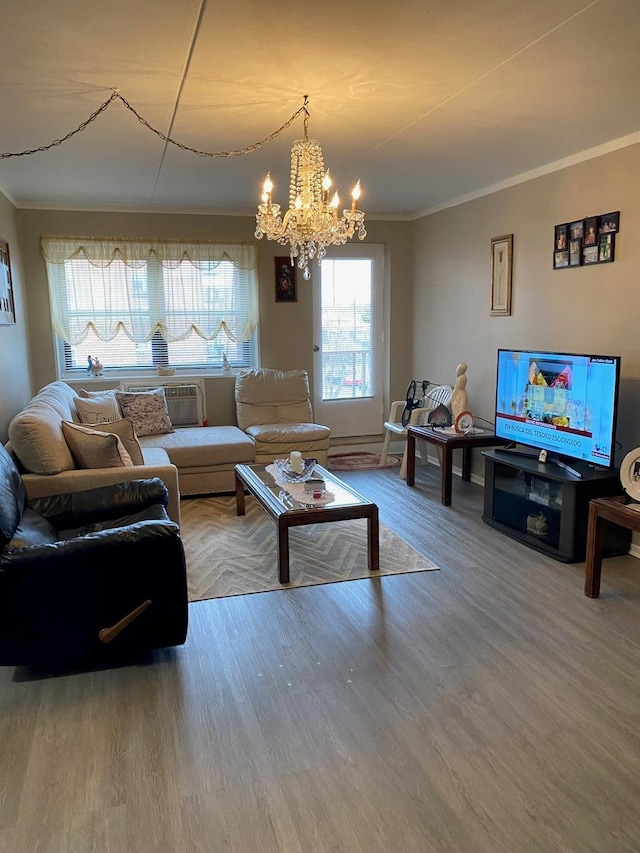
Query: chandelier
311, 223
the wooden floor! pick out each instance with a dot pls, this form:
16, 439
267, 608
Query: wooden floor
489, 706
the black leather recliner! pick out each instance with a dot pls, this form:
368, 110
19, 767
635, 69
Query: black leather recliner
89, 576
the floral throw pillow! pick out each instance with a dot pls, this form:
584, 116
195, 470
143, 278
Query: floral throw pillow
147, 409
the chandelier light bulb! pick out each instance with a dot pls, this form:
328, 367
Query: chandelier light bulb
268, 184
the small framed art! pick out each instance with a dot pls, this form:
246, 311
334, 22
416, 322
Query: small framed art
285, 273
575, 252
561, 238
576, 230
606, 248
501, 271
7, 304
590, 237
560, 260
610, 222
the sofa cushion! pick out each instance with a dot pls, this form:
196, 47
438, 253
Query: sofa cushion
98, 409
147, 409
203, 447
293, 434
36, 432
93, 448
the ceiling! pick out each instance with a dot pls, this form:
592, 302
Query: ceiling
426, 102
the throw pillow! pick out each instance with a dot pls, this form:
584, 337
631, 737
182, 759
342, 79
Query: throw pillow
147, 409
84, 393
125, 431
101, 409
92, 448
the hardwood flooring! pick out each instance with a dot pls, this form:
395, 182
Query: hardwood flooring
489, 706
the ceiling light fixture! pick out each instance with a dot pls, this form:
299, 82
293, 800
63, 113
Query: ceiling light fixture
311, 223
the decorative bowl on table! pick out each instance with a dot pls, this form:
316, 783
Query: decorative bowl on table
291, 476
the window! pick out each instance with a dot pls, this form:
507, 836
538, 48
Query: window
139, 305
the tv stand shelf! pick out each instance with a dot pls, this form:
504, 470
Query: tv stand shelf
546, 507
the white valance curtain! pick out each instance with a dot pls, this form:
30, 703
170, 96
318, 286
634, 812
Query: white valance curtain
140, 287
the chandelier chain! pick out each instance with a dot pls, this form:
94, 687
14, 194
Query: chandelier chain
115, 95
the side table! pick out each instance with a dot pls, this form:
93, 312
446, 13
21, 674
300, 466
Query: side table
618, 510
448, 442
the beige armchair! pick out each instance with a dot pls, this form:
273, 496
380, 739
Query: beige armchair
274, 408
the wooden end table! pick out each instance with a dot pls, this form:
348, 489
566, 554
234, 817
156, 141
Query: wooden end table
620, 511
447, 442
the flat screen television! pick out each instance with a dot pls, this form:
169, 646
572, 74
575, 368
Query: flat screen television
564, 403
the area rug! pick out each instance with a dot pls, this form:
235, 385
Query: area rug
361, 460
235, 555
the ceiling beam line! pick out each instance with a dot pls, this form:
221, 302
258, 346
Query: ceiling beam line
183, 79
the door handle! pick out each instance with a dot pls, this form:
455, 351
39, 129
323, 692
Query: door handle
316, 348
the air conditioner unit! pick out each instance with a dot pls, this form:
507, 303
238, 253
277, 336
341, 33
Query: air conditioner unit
185, 401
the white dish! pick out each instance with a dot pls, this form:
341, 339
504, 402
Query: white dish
630, 474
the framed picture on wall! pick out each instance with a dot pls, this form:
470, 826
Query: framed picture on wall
501, 271
606, 248
285, 274
610, 222
590, 231
576, 229
575, 252
7, 305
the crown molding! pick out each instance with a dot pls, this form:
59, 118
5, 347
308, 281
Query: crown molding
523, 177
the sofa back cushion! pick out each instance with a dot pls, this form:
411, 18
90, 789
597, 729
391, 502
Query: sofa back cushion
36, 432
272, 396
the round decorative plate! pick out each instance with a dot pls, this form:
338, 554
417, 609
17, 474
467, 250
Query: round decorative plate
464, 423
630, 474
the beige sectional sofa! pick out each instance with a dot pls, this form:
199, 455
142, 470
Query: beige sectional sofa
190, 461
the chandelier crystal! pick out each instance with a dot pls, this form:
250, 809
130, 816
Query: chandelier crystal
311, 223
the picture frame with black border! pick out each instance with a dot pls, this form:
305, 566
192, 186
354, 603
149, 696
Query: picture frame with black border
560, 260
7, 304
590, 237
576, 229
610, 222
285, 280
606, 247
589, 255
560, 238
575, 252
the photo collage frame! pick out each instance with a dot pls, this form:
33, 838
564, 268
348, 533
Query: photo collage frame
587, 241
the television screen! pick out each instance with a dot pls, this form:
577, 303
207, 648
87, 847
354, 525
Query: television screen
559, 402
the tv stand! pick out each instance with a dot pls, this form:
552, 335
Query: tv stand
546, 506
550, 460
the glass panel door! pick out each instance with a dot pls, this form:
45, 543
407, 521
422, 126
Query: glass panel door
348, 340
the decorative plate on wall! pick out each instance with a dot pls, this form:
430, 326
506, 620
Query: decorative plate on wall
630, 474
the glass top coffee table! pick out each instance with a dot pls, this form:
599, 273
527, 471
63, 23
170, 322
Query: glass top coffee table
288, 512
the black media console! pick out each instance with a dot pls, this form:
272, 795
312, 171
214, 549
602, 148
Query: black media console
546, 506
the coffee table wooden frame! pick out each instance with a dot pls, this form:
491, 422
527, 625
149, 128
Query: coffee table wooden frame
286, 517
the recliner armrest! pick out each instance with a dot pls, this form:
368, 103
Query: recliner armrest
75, 509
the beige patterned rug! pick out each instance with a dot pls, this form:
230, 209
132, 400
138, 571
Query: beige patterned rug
231, 555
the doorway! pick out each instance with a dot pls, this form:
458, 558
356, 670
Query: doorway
348, 339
